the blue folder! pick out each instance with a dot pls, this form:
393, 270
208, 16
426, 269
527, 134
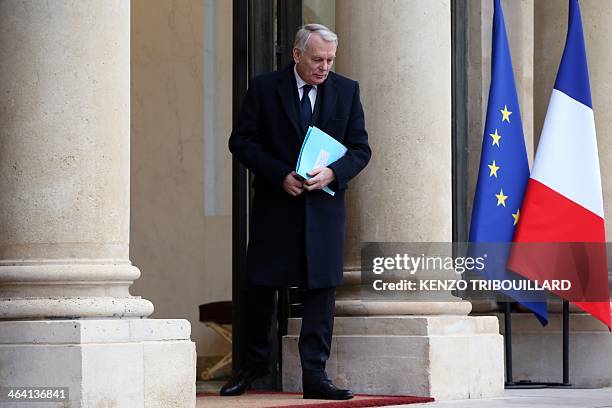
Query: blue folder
318, 150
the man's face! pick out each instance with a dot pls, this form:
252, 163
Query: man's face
314, 63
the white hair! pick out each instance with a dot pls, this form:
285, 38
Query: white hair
304, 33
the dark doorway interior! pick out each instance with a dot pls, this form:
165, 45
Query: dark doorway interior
262, 42
459, 61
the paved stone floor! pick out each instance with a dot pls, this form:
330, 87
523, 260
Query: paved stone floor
540, 398
516, 398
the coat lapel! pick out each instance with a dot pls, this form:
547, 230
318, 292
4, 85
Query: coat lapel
287, 91
330, 92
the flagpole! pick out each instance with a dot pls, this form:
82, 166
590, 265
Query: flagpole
566, 343
508, 342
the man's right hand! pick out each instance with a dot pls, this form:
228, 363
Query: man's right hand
292, 185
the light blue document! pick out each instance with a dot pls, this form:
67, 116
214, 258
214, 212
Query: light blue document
318, 150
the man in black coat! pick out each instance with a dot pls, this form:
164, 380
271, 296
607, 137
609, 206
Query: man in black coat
297, 230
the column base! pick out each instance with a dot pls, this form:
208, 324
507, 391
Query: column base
132, 307
537, 351
361, 307
445, 357
127, 363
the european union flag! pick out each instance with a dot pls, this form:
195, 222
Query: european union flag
504, 170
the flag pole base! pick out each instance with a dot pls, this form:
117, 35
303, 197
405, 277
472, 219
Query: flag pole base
534, 385
530, 384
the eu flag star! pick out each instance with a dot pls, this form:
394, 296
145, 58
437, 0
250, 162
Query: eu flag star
501, 198
493, 167
495, 137
505, 114
516, 216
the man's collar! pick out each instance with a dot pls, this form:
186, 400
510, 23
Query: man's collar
298, 79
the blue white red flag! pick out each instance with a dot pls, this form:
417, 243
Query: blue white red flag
563, 202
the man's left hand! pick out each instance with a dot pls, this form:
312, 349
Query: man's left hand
321, 177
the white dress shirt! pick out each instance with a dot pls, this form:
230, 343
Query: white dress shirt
300, 84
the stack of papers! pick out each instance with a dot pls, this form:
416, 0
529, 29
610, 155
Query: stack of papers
318, 150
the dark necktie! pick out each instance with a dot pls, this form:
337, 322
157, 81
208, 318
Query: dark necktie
305, 106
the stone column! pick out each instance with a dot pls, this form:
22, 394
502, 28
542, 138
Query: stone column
531, 342
400, 54
404, 195
64, 214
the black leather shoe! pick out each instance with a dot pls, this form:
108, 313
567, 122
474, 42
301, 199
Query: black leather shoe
325, 389
241, 382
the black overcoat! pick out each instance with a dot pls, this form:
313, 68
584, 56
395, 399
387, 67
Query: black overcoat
297, 241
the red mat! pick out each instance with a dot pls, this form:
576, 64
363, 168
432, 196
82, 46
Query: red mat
360, 400
371, 401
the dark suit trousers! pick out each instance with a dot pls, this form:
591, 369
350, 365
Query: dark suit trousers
315, 337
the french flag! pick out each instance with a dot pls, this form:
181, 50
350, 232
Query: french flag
561, 231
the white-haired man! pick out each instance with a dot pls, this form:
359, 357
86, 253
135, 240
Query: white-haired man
297, 230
